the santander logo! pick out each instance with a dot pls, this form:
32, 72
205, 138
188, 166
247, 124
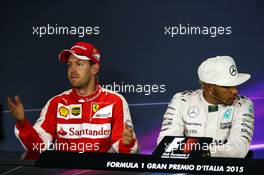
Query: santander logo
62, 132
84, 130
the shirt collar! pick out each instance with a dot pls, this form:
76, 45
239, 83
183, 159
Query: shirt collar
210, 107
88, 98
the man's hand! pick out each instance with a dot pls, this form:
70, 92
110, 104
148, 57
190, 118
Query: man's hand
16, 108
128, 134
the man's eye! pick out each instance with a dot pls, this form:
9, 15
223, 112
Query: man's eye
225, 87
229, 87
68, 65
79, 64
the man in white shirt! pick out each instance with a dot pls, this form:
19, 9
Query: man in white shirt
216, 110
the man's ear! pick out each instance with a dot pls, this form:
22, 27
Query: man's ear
95, 69
208, 87
202, 84
211, 88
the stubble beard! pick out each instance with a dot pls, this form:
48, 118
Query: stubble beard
80, 84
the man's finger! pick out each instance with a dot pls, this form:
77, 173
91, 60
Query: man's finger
130, 129
125, 131
127, 140
9, 100
128, 133
17, 99
10, 103
126, 125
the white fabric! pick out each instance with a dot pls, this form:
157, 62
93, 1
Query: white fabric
188, 115
222, 71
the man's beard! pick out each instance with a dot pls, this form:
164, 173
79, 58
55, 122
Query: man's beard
229, 101
80, 84
220, 100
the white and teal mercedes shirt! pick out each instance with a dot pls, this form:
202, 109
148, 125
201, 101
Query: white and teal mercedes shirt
231, 127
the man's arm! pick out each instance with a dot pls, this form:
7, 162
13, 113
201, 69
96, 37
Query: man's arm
35, 138
123, 137
173, 124
241, 133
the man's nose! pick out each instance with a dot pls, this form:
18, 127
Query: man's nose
72, 68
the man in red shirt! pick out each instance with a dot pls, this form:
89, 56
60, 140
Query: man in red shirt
86, 118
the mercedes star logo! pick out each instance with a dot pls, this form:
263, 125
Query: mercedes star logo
193, 111
232, 70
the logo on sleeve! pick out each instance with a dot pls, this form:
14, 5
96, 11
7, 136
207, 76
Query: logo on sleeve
250, 109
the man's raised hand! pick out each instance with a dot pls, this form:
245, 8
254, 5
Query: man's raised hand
16, 108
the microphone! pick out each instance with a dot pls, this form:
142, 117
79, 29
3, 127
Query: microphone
218, 98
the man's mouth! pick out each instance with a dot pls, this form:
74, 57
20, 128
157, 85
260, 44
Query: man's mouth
233, 98
74, 76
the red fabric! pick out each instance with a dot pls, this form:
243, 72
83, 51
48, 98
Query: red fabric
97, 121
83, 49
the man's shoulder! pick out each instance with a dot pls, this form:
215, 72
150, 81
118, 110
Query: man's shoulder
244, 106
62, 95
187, 95
243, 100
112, 95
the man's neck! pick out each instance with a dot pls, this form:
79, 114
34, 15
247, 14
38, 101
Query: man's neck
87, 90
